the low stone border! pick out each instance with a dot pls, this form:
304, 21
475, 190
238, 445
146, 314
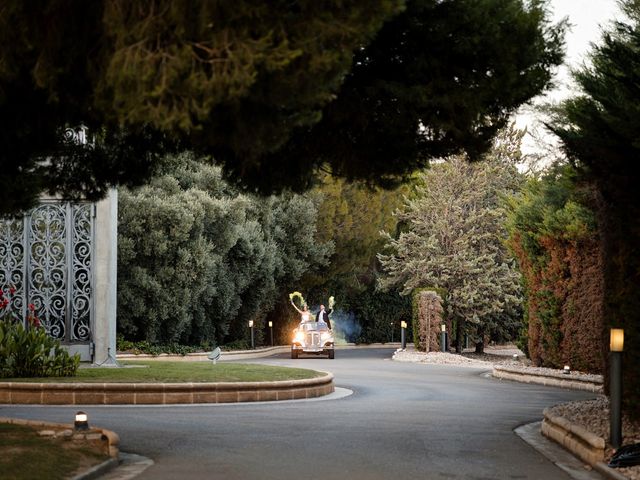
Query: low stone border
585, 445
240, 354
162, 393
204, 356
550, 379
582, 443
111, 439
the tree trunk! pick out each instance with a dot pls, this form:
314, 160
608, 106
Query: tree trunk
460, 336
480, 341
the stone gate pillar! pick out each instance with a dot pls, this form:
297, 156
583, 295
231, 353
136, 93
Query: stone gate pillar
105, 279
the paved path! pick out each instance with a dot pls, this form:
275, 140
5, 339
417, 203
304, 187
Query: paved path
403, 421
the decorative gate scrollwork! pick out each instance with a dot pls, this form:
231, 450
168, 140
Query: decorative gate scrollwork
47, 258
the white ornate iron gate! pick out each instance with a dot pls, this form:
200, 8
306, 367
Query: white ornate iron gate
46, 259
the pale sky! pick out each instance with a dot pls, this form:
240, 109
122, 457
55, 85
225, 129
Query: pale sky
587, 19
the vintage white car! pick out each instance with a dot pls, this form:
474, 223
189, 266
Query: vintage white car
312, 337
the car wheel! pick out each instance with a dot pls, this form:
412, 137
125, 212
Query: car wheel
294, 354
332, 353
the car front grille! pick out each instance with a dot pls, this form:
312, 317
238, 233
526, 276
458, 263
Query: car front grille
313, 339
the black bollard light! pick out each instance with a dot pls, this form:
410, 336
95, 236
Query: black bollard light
616, 346
403, 338
271, 329
443, 338
253, 345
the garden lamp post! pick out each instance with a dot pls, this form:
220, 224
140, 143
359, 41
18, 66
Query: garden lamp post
616, 347
443, 338
271, 330
252, 337
403, 340
391, 323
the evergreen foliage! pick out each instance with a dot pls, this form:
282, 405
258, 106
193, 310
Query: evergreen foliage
600, 132
453, 238
273, 91
352, 215
197, 260
437, 79
378, 313
553, 235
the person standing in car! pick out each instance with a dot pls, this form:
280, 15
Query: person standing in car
323, 316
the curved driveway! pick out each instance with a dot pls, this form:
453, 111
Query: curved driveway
403, 421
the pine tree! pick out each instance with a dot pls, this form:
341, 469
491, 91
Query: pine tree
273, 91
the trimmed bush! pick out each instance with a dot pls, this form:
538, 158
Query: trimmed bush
415, 312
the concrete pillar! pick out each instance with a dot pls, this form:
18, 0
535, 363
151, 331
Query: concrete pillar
105, 279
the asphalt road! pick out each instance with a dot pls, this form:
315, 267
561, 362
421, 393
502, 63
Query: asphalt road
402, 421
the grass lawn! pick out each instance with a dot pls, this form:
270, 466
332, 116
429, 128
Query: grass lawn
176, 372
25, 455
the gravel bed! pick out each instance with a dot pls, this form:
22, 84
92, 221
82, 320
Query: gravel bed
593, 415
475, 360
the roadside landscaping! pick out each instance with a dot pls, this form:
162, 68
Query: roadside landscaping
25, 454
178, 372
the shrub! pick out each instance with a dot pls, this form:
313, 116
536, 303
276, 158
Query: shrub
31, 352
146, 347
28, 351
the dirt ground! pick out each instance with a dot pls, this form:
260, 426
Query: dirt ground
28, 452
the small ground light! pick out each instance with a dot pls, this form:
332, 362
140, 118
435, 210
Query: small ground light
566, 370
81, 422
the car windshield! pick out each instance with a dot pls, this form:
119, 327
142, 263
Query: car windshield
313, 326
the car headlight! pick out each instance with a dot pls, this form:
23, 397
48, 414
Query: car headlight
298, 337
325, 337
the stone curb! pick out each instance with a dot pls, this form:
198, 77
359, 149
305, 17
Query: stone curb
553, 380
98, 470
162, 393
580, 442
584, 444
204, 356
608, 472
240, 354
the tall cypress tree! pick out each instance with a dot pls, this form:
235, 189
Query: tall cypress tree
600, 132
